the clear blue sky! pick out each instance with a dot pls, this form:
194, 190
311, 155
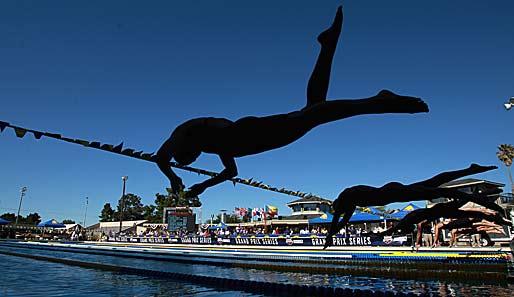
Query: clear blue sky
132, 71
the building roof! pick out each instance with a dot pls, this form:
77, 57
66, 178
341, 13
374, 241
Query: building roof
309, 200
470, 182
299, 217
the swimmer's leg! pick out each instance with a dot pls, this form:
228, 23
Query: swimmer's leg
448, 176
476, 198
383, 102
317, 87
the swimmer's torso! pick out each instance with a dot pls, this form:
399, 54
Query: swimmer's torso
246, 136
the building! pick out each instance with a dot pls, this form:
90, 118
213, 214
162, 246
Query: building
114, 227
469, 185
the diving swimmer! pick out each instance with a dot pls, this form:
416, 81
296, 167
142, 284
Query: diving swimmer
363, 196
253, 135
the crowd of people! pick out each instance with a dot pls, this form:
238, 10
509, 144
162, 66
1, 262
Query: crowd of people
427, 233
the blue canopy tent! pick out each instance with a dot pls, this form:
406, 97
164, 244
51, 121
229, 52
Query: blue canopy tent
357, 217
323, 219
365, 217
219, 225
402, 213
4, 222
373, 210
51, 224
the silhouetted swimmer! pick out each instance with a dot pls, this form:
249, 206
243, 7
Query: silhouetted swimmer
460, 225
448, 210
254, 135
482, 228
363, 196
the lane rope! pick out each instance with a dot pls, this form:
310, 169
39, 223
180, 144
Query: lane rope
150, 157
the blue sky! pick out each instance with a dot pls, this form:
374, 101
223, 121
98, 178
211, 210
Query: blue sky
131, 71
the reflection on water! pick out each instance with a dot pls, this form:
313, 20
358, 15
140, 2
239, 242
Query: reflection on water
27, 277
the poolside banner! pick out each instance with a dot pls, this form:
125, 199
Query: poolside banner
307, 240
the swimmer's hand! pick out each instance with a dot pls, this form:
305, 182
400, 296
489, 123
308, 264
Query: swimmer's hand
194, 191
328, 241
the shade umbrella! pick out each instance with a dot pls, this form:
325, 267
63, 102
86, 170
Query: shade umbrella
364, 217
373, 210
219, 225
4, 222
51, 224
410, 207
325, 218
402, 213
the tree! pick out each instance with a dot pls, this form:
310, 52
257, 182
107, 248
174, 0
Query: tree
32, 219
107, 214
173, 200
9, 216
505, 154
132, 208
150, 214
232, 218
68, 221
229, 219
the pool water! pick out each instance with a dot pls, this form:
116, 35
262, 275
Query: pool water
28, 277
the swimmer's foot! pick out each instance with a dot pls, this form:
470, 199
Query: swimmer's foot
391, 102
330, 36
479, 169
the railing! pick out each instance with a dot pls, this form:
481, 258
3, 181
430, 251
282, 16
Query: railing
507, 198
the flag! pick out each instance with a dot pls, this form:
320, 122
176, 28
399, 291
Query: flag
37, 134
271, 210
243, 211
3, 125
20, 132
237, 211
250, 212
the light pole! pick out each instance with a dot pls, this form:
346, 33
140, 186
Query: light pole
23, 191
122, 202
223, 214
85, 213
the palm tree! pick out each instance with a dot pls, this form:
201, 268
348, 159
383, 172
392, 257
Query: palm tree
505, 154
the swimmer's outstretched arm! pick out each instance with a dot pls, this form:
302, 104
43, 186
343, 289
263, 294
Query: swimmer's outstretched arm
229, 172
